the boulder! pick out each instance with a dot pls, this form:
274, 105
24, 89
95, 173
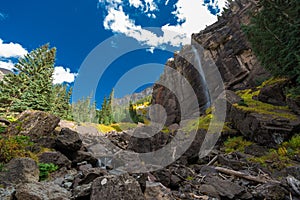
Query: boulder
264, 129
223, 188
19, 170
81, 156
294, 104
68, 142
41, 191
116, 188
273, 94
56, 158
36, 124
82, 192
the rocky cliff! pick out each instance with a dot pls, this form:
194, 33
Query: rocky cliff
225, 44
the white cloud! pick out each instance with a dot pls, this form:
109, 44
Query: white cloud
136, 3
62, 75
151, 49
7, 65
9, 50
194, 15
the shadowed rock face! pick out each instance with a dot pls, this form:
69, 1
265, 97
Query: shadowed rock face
224, 43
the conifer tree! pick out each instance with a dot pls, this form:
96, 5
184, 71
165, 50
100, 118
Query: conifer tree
274, 36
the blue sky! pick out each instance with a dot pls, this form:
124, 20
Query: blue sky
76, 28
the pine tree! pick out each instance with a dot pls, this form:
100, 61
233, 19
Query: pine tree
274, 36
31, 87
84, 110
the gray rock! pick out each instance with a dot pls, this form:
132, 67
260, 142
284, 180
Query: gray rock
19, 170
56, 158
273, 94
116, 188
41, 191
68, 142
7, 193
270, 192
67, 185
81, 156
82, 192
224, 188
69, 177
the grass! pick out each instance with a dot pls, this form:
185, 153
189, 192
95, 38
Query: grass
236, 144
119, 127
204, 122
282, 157
251, 105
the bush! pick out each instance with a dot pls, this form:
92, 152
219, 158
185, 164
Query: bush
236, 144
46, 169
14, 146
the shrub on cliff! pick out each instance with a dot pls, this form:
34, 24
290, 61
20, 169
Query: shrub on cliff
274, 36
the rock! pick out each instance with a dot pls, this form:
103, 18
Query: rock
273, 94
224, 188
264, 129
68, 142
82, 192
56, 158
270, 192
41, 191
36, 124
91, 174
234, 164
19, 170
7, 193
67, 185
224, 44
80, 156
116, 188
209, 190
157, 191
294, 104
256, 150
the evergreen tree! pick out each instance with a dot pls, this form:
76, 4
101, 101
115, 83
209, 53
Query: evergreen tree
31, 87
84, 110
274, 36
106, 113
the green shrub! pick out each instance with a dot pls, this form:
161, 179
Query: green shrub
236, 144
14, 146
46, 169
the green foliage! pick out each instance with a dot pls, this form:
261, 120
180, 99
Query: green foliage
273, 160
31, 87
136, 118
84, 110
236, 144
282, 157
2, 129
61, 101
274, 36
292, 146
252, 105
14, 146
1, 167
46, 169
105, 115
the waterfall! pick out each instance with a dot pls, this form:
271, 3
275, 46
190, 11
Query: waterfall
198, 65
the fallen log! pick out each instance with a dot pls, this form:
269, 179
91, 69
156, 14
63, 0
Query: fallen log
245, 176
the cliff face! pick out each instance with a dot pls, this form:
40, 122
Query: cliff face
224, 43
